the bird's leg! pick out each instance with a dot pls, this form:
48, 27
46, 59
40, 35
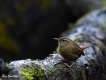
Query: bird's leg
68, 65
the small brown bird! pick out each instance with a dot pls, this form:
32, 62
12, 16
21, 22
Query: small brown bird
68, 49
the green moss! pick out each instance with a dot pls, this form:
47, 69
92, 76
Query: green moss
56, 51
33, 72
71, 25
52, 71
39, 74
78, 40
28, 73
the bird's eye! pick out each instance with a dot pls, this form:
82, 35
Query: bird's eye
62, 40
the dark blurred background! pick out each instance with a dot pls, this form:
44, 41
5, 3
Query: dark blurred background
27, 27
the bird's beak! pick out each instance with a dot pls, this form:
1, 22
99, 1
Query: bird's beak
56, 38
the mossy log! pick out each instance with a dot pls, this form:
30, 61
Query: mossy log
90, 30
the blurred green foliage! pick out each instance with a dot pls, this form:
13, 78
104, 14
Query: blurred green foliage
104, 3
21, 7
6, 42
16, 13
7, 20
44, 3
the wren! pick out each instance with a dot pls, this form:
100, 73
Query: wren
69, 50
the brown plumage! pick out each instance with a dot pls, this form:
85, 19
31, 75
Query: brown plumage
68, 49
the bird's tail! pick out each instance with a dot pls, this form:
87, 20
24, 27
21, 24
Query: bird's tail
85, 47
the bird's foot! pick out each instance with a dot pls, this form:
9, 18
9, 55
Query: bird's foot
68, 65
